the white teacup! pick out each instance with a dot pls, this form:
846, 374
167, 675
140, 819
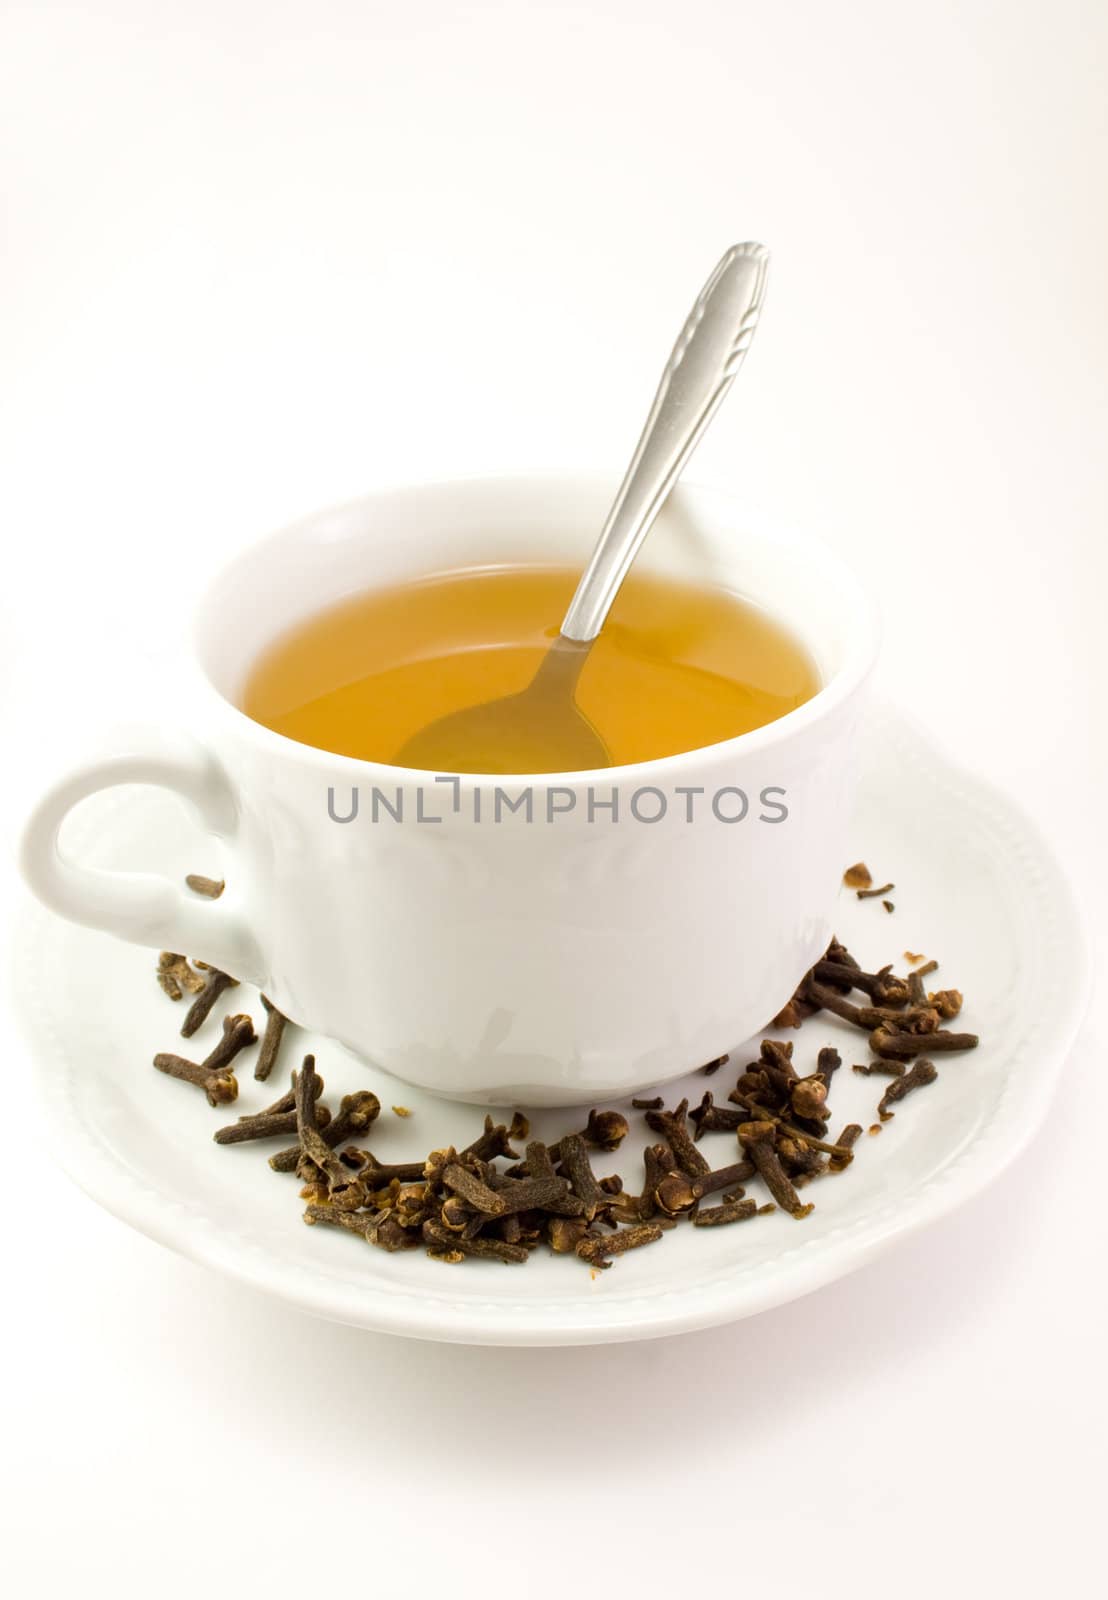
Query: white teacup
576, 953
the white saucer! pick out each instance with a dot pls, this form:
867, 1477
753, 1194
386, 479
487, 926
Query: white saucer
976, 888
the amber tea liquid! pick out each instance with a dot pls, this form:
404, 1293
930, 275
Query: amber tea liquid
676, 667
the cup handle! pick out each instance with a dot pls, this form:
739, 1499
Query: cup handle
140, 906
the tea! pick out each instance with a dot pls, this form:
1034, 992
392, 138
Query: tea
677, 666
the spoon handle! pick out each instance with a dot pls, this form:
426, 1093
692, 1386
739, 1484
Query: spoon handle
699, 372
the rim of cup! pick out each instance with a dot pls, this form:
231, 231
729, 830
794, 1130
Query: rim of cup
841, 589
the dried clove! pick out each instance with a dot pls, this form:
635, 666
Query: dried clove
565, 1234
658, 1160
177, 976
916, 1019
921, 1073
577, 1168
672, 1126
317, 1160
803, 1005
472, 1189
888, 1041
808, 1098
802, 1158
456, 1215
795, 1011
357, 1112
736, 1211
677, 1192
758, 1112
211, 888
387, 1232
537, 1160
707, 1117
826, 998
596, 1251
846, 1141
757, 1139
275, 1024
858, 876
214, 985
658, 1163
211, 1074
279, 1118
358, 1222
916, 990
879, 1068
238, 1032
377, 1174
221, 1088
883, 988
875, 894
511, 1229
649, 1105
606, 1130
539, 1194
496, 1139
441, 1239
776, 1055
828, 1063
836, 951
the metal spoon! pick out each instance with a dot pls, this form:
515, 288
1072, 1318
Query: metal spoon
542, 729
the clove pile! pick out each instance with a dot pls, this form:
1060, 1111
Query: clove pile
495, 1201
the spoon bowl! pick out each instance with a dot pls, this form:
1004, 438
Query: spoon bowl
541, 728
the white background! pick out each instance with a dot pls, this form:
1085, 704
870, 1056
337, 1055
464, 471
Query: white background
261, 257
